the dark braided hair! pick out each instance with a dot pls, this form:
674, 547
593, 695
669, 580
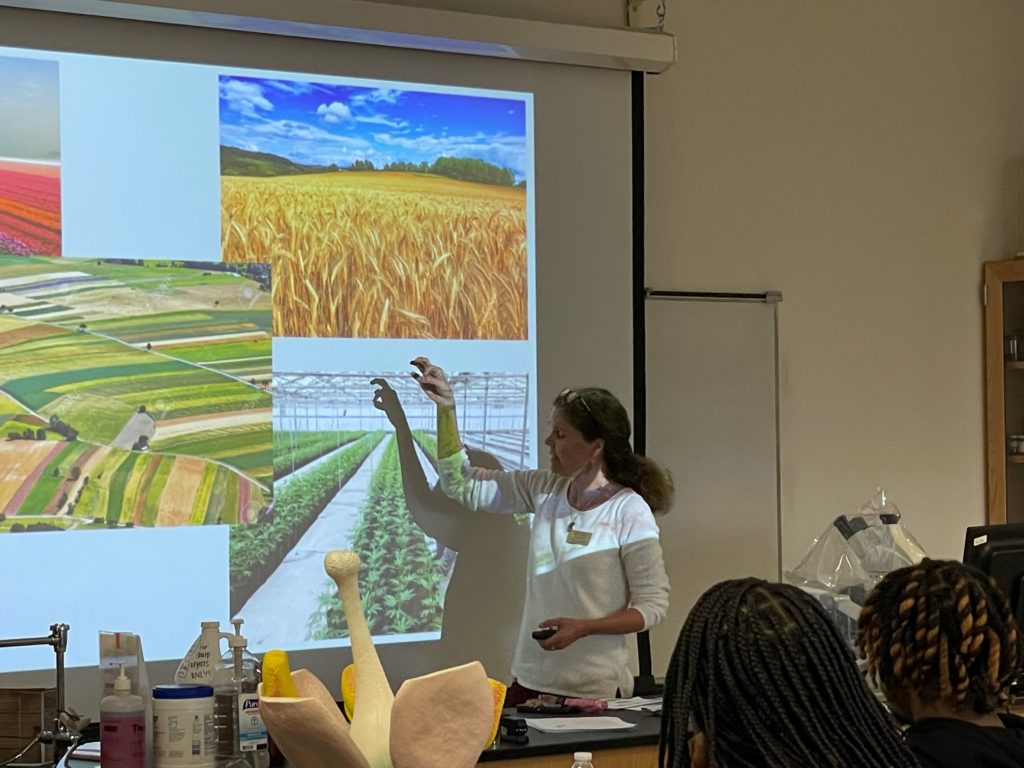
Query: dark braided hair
944, 630
597, 413
762, 673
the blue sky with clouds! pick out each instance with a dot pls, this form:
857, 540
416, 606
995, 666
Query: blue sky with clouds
321, 124
29, 109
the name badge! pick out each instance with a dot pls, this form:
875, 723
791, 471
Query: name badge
576, 536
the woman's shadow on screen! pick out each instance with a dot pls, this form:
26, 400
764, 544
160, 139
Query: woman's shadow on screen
484, 599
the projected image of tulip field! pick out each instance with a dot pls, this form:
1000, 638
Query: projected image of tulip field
339, 486
30, 221
133, 393
385, 213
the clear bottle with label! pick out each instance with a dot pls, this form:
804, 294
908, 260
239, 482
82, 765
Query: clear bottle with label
123, 726
582, 760
241, 734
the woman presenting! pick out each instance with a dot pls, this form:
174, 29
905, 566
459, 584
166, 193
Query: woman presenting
595, 572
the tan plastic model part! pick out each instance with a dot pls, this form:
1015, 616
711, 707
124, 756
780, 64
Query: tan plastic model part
458, 705
442, 720
371, 722
310, 730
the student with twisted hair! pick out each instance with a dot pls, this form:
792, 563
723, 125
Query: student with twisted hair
941, 641
761, 678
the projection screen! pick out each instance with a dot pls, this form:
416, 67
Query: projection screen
210, 243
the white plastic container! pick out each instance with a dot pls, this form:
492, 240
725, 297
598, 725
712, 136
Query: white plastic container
183, 735
123, 726
200, 662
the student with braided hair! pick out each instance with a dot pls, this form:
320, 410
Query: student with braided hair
760, 678
941, 641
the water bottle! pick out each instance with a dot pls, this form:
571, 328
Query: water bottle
582, 760
241, 733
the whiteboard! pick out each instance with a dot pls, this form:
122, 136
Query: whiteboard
712, 421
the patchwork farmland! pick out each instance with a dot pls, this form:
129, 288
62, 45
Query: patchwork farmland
132, 394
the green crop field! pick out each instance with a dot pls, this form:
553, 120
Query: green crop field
246, 446
18, 424
215, 352
101, 418
245, 399
39, 390
178, 383
9, 405
40, 499
182, 325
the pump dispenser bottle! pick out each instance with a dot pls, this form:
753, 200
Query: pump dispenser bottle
241, 733
122, 726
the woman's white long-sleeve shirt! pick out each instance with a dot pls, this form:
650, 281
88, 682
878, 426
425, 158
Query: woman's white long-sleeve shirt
619, 566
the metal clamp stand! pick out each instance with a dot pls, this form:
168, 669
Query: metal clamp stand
63, 736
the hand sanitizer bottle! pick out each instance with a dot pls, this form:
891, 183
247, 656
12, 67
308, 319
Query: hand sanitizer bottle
241, 734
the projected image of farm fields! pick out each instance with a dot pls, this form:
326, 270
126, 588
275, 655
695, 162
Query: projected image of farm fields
30, 221
133, 393
339, 486
385, 213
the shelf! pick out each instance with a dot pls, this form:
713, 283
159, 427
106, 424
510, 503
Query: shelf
1015, 365
1015, 458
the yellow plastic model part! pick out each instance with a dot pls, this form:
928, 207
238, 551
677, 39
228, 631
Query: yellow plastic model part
348, 691
277, 676
498, 691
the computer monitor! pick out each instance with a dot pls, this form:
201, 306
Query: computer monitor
998, 550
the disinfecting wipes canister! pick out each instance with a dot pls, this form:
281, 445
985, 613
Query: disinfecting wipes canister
183, 735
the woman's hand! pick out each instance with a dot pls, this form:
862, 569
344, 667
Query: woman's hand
569, 631
433, 381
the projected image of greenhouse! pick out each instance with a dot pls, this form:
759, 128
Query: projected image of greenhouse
338, 485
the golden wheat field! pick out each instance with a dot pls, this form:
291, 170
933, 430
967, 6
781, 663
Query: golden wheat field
383, 255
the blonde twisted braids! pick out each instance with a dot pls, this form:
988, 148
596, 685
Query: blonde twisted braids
944, 630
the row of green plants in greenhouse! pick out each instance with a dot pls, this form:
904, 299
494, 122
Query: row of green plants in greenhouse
399, 580
295, 449
257, 549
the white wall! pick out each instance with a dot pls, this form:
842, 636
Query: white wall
863, 158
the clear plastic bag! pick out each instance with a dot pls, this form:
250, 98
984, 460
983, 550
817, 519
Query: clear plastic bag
852, 555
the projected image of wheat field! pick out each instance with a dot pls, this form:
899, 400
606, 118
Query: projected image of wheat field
384, 255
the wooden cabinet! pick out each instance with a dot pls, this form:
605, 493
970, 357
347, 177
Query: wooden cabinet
1004, 389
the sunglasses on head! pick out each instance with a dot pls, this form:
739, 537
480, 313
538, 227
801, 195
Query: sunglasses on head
568, 396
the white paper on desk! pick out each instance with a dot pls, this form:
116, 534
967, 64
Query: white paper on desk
568, 724
637, 702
